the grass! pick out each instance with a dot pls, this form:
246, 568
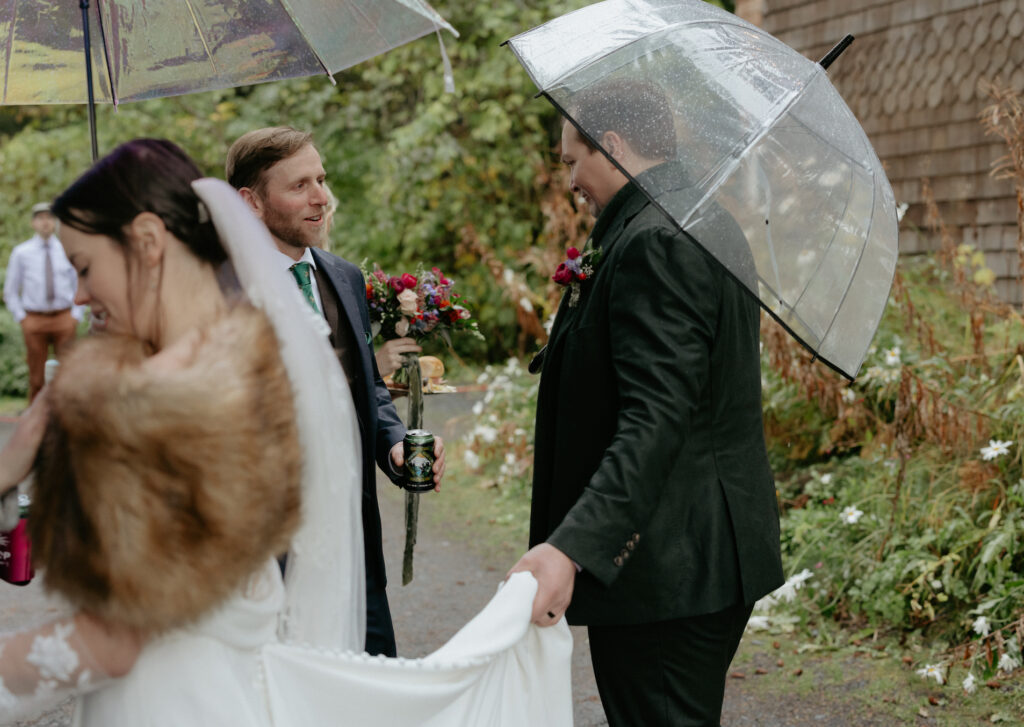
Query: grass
12, 406
870, 681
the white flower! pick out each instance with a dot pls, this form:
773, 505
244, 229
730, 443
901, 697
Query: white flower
995, 449
512, 366
510, 459
525, 304
758, 623
787, 591
407, 302
937, 585
508, 276
892, 356
1008, 663
487, 434
52, 655
402, 327
519, 432
969, 684
482, 378
932, 671
549, 324
981, 626
849, 396
826, 478
478, 408
850, 515
471, 459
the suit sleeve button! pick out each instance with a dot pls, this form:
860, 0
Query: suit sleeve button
618, 560
631, 545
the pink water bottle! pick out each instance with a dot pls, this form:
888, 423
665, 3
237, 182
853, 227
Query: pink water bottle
16, 549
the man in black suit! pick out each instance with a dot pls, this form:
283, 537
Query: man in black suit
654, 519
278, 172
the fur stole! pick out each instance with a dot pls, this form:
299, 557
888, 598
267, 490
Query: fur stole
158, 495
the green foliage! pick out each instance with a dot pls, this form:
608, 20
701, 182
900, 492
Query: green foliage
13, 366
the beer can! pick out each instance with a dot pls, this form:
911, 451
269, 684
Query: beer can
419, 460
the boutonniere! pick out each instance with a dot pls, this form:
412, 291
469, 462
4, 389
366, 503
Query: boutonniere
577, 268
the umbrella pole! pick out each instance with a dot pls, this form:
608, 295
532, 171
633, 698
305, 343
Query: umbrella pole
84, 5
835, 52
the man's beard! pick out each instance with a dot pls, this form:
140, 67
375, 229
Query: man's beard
291, 233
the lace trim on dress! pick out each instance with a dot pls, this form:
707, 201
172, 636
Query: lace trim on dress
42, 667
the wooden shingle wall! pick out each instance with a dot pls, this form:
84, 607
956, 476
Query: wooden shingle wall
914, 78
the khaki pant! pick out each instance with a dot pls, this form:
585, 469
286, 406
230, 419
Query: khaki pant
41, 330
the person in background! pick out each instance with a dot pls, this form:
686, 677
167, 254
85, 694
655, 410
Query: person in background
39, 291
389, 353
279, 174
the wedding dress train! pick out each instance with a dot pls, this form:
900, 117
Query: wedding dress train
498, 671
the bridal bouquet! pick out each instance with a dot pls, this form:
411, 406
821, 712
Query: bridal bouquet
419, 306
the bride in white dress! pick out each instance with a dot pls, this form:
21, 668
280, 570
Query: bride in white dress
181, 477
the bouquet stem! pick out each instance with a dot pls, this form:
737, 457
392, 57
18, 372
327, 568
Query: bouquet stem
411, 372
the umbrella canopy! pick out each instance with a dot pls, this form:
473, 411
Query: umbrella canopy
765, 165
145, 49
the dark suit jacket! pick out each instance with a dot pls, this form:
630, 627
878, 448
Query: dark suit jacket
650, 467
379, 424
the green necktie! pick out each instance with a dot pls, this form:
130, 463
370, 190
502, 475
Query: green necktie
301, 273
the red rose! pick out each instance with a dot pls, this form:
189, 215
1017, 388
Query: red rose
573, 253
396, 284
409, 281
562, 276
441, 279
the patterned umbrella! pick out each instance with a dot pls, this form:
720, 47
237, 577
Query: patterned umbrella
151, 48
760, 160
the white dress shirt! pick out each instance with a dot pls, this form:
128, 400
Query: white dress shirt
25, 286
307, 257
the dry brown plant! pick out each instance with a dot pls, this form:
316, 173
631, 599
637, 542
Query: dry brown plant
1004, 118
565, 224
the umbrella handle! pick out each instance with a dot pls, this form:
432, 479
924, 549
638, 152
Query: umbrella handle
835, 52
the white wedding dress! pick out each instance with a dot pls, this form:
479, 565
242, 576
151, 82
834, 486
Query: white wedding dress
283, 654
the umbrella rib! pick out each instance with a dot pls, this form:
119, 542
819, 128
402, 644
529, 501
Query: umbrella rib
106, 55
302, 31
206, 46
10, 49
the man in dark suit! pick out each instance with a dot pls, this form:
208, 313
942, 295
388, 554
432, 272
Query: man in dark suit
654, 519
278, 172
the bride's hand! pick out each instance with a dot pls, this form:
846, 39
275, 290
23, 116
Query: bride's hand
556, 575
19, 453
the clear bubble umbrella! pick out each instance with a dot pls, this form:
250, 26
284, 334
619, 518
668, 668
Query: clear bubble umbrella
756, 133
145, 49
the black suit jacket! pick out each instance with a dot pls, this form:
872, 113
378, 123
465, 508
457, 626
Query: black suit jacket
650, 467
379, 424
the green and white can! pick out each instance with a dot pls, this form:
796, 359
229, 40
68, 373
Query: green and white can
419, 460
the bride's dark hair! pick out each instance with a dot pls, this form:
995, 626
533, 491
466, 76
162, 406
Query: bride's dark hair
143, 175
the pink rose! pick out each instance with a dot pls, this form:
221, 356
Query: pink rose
407, 302
562, 276
396, 284
573, 253
409, 281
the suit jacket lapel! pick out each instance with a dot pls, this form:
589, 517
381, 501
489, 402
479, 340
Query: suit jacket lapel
349, 303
